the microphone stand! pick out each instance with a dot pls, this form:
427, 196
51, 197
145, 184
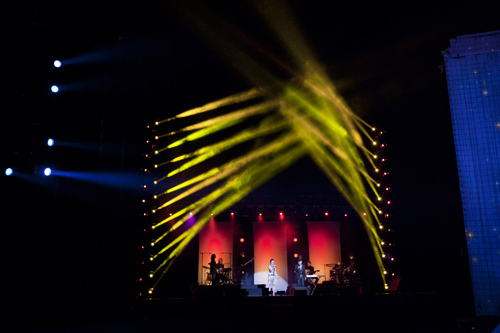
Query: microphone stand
201, 266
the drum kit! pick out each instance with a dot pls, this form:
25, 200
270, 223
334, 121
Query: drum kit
223, 275
339, 273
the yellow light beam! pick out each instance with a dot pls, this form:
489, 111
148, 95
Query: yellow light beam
227, 118
233, 99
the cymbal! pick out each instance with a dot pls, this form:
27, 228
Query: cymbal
206, 267
330, 265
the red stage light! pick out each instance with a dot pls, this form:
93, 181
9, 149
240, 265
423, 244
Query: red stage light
388, 202
326, 213
232, 214
281, 214
345, 215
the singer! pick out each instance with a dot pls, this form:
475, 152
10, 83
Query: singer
272, 277
300, 273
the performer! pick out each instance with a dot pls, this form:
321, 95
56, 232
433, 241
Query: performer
310, 271
272, 277
353, 267
213, 269
300, 273
221, 277
337, 273
244, 268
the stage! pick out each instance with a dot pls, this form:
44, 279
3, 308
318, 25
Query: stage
233, 312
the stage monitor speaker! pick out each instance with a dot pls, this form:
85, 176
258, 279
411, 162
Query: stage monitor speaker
393, 286
299, 291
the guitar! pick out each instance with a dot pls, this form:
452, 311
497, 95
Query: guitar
249, 261
308, 272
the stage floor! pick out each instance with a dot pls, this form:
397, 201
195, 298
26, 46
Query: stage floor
394, 312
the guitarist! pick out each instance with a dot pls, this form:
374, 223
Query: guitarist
310, 271
244, 268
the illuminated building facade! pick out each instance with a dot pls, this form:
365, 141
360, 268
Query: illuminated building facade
473, 74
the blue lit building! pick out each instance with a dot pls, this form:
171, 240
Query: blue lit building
473, 74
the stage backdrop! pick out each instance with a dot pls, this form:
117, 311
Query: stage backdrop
324, 245
216, 237
270, 243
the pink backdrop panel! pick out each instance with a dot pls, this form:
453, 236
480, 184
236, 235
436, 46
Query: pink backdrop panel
216, 237
324, 245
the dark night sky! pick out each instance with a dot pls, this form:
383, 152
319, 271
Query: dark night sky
147, 62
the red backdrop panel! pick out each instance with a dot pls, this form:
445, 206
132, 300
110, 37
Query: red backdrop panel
216, 237
270, 243
324, 245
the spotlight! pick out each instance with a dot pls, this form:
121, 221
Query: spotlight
57, 64
295, 239
9, 172
50, 142
295, 255
47, 172
54, 89
242, 240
